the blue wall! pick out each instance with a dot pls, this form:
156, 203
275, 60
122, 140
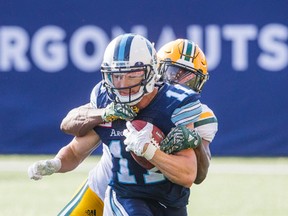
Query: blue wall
50, 53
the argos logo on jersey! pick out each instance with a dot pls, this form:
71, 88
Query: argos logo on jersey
113, 133
116, 133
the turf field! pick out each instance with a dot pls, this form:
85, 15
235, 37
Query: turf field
234, 187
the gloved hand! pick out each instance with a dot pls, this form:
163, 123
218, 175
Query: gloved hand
136, 140
116, 111
180, 138
44, 167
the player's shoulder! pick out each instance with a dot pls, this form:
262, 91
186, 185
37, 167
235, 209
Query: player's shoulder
177, 91
207, 116
97, 92
207, 109
99, 87
181, 102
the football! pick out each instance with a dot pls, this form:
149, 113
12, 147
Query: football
158, 136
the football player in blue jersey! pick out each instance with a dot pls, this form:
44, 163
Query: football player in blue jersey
116, 83
191, 72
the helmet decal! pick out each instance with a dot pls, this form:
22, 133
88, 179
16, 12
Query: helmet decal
188, 49
122, 48
149, 48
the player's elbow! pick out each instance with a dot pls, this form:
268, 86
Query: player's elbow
183, 178
64, 125
200, 178
188, 181
188, 184
202, 171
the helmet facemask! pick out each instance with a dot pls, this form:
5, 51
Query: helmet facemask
145, 84
177, 73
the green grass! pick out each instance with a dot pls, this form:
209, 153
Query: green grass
234, 187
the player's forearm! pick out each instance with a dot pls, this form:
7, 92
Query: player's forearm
81, 120
180, 168
203, 162
77, 150
69, 161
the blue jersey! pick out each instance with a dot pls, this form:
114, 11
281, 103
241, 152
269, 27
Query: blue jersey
130, 179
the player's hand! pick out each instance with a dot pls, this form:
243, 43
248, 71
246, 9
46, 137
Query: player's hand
136, 140
180, 138
44, 167
116, 111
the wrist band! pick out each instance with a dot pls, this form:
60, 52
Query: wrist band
150, 151
56, 163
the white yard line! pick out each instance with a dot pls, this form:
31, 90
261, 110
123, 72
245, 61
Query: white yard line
265, 169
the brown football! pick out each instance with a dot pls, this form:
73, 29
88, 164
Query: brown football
158, 136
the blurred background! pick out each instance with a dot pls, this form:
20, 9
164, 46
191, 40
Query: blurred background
50, 56
51, 51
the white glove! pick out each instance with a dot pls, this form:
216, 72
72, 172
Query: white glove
135, 140
44, 167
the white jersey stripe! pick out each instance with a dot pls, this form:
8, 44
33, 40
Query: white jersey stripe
187, 114
74, 201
